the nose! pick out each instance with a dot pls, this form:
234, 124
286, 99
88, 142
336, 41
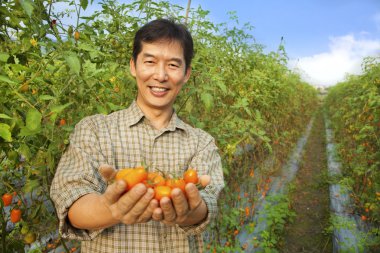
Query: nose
160, 74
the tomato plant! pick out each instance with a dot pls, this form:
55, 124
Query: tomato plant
354, 109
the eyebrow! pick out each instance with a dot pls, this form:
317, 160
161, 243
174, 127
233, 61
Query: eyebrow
178, 60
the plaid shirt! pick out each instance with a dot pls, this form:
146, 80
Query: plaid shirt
126, 139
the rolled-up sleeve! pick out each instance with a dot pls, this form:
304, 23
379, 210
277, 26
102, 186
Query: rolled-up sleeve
207, 162
77, 175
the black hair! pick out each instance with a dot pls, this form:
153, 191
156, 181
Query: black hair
164, 29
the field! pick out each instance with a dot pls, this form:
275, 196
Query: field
53, 74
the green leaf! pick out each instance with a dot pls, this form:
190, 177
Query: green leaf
6, 79
27, 132
4, 116
222, 86
28, 7
207, 100
74, 63
35, 212
84, 4
59, 108
30, 186
101, 109
114, 107
87, 47
33, 120
46, 97
5, 132
25, 151
4, 57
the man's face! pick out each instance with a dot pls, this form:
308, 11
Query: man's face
160, 73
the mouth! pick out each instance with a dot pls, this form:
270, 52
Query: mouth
158, 91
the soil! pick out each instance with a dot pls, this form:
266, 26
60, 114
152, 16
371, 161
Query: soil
310, 198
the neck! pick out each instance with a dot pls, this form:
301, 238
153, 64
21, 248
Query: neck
158, 118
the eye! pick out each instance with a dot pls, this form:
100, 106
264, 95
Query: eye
173, 65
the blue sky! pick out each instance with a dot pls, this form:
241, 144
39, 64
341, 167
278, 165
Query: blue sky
324, 39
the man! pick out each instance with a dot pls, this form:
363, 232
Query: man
101, 214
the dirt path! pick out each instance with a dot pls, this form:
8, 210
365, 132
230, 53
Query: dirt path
310, 199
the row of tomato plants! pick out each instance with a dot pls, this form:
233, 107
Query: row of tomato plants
53, 74
354, 109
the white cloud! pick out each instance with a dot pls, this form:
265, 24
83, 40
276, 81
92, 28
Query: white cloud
344, 57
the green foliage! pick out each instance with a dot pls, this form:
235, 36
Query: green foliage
278, 213
53, 74
354, 109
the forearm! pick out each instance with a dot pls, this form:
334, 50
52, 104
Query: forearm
89, 212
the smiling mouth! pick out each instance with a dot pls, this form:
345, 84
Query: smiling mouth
158, 92
158, 89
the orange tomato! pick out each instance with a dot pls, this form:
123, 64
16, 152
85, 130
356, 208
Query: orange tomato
191, 176
132, 176
162, 191
7, 199
15, 215
122, 173
154, 179
62, 122
176, 183
76, 35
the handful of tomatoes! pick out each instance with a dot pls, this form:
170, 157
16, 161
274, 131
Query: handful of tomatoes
161, 184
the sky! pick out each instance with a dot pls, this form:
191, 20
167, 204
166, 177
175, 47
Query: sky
324, 39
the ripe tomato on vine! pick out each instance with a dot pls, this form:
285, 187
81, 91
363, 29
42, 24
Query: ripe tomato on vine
7, 199
15, 215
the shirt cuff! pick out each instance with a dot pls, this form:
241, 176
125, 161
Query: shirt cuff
67, 230
212, 208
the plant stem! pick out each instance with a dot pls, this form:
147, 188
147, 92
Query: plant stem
187, 11
3, 229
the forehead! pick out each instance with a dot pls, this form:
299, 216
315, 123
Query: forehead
164, 48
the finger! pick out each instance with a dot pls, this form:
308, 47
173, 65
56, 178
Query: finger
180, 202
148, 213
157, 214
167, 209
108, 172
129, 199
204, 180
114, 191
193, 196
139, 208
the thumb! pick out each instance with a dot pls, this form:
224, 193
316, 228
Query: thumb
193, 195
114, 191
107, 172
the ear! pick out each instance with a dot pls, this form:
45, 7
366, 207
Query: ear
132, 67
187, 74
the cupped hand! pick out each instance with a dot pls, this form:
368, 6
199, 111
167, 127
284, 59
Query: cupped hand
135, 206
181, 209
